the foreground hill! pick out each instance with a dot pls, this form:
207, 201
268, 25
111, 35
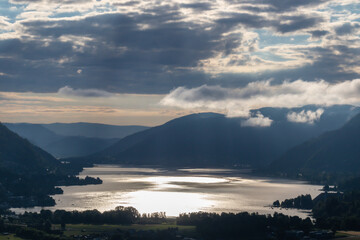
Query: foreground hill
209, 139
72, 139
335, 151
28, 174
18, 154
25, 172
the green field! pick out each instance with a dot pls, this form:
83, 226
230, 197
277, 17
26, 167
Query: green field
353, 235
77, 229
9, 237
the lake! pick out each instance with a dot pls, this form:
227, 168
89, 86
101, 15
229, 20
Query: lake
180, 190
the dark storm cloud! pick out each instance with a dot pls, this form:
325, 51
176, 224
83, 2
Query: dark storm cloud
142, 53
347, 28
34, 50
200, 6
49, 1
329, 65
245, 19
278, 5
122, 31
156, 49
129, 3
291, 23
318, 33
33, 65
297, 23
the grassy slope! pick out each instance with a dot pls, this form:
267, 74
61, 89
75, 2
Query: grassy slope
81, 229
9, 237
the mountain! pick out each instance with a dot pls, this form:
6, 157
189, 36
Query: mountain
334, 151
18, 154
93, 130
72, 139
35, 133
210, 139
78, 146
28, 174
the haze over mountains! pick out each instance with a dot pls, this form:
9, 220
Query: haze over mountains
334, 151
209, 139
93, 130
72, 139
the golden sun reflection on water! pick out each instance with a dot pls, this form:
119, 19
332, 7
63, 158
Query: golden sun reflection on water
178, 191
158, 199
173, 203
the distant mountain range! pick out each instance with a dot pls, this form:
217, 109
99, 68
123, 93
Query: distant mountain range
93, 130
334, 151
209, 139
72, 139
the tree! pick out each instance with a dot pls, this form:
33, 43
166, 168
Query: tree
63, 226
2, 225
47, 226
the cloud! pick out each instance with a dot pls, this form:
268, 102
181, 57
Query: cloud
295, 23
281, 5
237, 102
153, 47
68, 91
305, 116
347, 28
133, 58
197, 6
49, 1
258, 121
318, 33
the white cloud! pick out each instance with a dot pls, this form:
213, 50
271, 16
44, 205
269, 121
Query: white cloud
68, 91
258, 121
237, 102
305, 116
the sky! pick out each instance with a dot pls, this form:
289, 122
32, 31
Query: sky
146, 62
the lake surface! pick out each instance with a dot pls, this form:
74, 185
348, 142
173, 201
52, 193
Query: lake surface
179, 191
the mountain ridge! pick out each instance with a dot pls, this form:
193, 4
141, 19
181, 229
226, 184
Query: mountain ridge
211, 139
18, 153
68, 141
333, 151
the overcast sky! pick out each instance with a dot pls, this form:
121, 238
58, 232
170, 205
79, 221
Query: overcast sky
145, 62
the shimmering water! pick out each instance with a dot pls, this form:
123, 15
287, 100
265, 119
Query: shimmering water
178, 191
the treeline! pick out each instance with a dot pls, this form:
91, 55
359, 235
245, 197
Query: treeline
352, 184
338, 211
25, 190
332, 210
30, 233
39, 226
121, 215
244, 225
208, 225
73, 180
300, 202
33, 189
42, 233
